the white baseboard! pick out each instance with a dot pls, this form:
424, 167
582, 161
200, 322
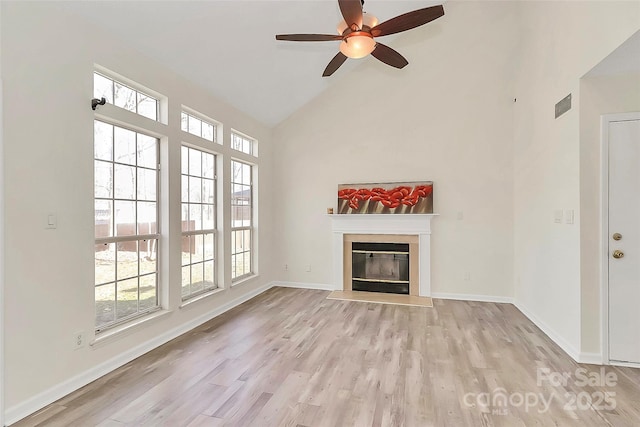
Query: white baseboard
591, 358
37, 402
550, 332
625, 364
580, 357
302, 285
470, 297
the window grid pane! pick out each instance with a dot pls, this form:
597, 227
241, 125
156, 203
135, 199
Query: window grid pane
198, 222
198, 127
241, 220
126, 185
123, 96
241, 143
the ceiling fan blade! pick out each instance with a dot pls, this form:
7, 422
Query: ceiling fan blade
308, 37
335, 63
389, 56
407, 21
351, 12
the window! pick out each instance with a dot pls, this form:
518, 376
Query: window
241, 219
242, 143
126, 224
123, 96
198, 127
129, 252
198, 222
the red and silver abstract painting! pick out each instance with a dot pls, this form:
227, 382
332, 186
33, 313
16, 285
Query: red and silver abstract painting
390, 198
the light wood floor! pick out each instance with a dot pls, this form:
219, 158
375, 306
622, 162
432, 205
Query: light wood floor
381, 298
291, 357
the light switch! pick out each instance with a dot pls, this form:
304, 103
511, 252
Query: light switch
460, 216
568, 216
51, 222
557, 216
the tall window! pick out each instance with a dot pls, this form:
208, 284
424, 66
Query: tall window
242, 143
198, 222
126, 224
241, 219
121, 95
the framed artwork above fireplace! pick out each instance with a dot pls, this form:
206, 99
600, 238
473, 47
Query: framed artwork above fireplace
386, 198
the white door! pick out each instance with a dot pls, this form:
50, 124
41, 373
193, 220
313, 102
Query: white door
624, 240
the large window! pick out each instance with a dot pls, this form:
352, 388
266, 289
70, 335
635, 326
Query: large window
241, 219
130, 253
123, 96
126, 224
198, 222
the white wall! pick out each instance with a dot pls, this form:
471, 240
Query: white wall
48, 60
446, 117
560, 42
2, 207
598, 96
449, 116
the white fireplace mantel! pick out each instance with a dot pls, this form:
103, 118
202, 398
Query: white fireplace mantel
407, 224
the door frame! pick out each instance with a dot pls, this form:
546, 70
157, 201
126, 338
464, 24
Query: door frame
605, 120
2, 206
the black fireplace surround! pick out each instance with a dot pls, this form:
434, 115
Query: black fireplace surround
380, 267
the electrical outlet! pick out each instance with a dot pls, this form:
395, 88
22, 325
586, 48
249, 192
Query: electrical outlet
307, 268
467, 276
286, 267
78, 340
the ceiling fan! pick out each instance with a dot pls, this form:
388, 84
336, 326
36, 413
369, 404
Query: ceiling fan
358, 30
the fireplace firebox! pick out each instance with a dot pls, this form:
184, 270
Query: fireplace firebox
380, 267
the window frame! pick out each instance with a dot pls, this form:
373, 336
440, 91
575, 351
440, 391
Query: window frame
250, 228
203, 120
138, 91
213, 231
253, 143
116, 239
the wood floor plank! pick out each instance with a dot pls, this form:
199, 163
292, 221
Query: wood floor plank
381, 298
290, 357
205, 421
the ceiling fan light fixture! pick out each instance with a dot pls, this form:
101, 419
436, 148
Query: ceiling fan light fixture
357, 46
342, 26
368, 20
357, 38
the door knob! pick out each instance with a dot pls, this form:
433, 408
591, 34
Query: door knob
618, 254
617, 236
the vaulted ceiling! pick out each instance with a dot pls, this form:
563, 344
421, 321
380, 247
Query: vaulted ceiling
229, 47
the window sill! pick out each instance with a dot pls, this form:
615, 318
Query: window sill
200, 297
244, 280
123, 330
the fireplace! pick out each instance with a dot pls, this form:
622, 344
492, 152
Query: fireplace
380, 267
381, 263
413, 230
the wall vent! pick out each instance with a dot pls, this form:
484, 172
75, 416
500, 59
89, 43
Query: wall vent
563, 106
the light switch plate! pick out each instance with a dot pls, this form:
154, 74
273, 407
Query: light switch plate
569, 216
51, 222
557, 216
